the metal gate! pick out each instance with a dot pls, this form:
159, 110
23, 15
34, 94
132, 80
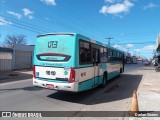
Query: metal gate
23, 59
5, 61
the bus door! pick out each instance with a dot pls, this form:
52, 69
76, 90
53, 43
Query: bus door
96, 61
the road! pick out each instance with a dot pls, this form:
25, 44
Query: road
116, 96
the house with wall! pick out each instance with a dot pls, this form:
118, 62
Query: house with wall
6, 56
16, 58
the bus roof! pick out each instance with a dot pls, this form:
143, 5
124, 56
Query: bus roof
74, 34
52, 34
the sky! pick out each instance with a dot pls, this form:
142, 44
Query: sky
133, 25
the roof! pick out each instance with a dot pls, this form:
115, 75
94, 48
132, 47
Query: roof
72, 34
48, 34
3, 49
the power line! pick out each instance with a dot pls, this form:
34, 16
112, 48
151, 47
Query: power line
86, 21
38, 16
31, 26
22, 27
16, 6
88, 24
25, 25
76, 21
135, 43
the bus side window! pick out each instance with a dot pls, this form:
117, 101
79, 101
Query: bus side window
85, 52
114, 54
82, 55
97, 56
103, 55
110, 53
121, 57
118, 55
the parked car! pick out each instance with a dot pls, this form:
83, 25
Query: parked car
146, 62
134, 61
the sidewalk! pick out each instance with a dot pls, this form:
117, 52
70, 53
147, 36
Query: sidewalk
149, 90
10, 76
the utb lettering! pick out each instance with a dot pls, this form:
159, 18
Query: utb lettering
52, 44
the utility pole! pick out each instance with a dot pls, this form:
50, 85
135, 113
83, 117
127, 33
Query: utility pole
109, 38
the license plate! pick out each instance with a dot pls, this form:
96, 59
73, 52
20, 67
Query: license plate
53, 73
49, 86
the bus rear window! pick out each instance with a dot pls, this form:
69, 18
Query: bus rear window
58, 48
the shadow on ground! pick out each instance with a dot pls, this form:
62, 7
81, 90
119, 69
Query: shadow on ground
117, 89
10, 76
30, 88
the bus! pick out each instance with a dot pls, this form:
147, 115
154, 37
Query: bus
73, 62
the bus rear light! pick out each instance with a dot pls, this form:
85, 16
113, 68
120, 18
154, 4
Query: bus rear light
34, 71
72, 76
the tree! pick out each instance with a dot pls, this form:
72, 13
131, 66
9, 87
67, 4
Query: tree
11, 40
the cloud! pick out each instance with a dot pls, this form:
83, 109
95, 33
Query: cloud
49, 2
136, 50
4, 22
46, 18
110, 1
30, 17
117, 9
128, 46
149, 47
28, 13
117, 46
19, 16
150, 5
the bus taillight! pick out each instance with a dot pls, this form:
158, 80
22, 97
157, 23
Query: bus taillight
34, 71
72, 76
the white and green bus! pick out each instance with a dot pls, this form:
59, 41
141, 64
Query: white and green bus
73, 62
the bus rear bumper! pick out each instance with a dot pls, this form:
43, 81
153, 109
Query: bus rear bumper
73, 87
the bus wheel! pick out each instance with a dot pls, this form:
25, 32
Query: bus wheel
104, 81
121, 70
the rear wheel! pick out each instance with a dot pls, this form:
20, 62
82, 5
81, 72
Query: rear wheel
121, 70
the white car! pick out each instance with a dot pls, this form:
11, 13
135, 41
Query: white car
146, 62
134, 61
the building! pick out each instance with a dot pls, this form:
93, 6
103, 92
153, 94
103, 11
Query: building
157, 52
6, 56
18, 57
158, 44
156, 57
127, 58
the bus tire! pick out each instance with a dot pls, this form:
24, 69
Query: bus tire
104, 81
121, 70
